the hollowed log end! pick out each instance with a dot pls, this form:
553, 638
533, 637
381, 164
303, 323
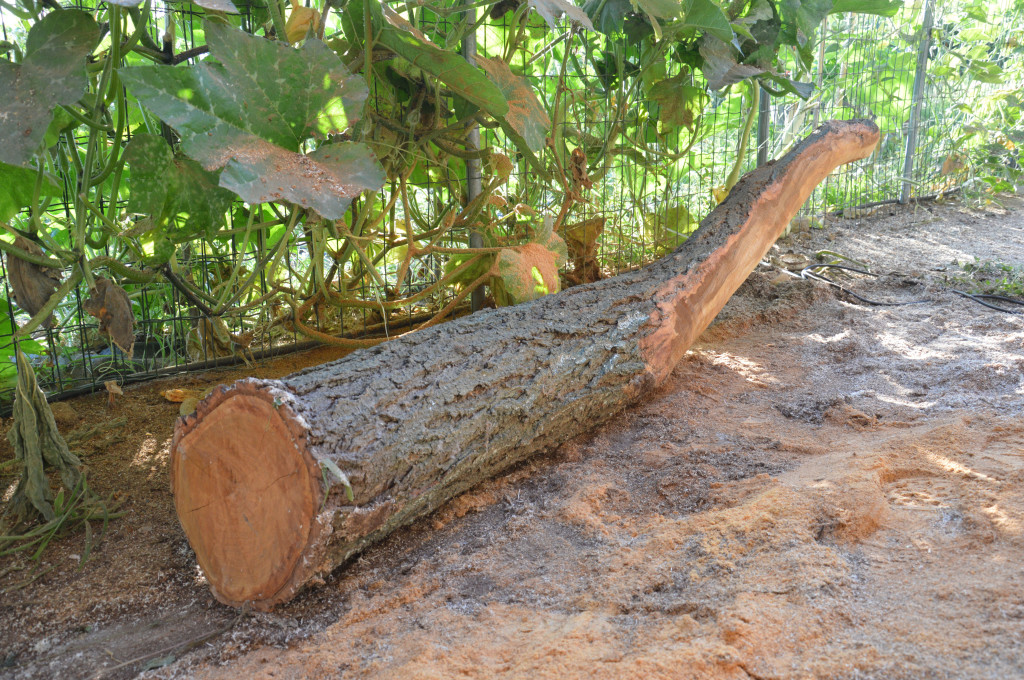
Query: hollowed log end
247, 493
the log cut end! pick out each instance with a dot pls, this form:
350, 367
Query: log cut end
247, 493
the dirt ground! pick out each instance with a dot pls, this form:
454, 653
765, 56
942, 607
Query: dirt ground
823, 489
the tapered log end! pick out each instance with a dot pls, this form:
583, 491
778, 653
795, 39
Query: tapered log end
247, 493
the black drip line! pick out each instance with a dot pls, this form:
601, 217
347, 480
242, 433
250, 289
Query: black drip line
808, 274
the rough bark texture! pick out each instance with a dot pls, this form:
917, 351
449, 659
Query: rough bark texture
420, 419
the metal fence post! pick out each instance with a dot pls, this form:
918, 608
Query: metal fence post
915, 111
763, 110
473, 177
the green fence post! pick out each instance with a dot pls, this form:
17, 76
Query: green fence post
915, 111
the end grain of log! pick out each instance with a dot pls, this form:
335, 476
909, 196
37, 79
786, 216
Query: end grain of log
422, 418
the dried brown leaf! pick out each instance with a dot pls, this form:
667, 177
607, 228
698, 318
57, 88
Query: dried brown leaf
32, 284
110, 305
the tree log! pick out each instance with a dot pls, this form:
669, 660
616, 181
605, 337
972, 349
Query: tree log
422, 418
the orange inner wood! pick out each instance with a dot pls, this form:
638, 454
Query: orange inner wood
244, 498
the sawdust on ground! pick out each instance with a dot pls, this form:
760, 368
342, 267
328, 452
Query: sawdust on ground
823, 489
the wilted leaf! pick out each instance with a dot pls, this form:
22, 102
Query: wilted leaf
578, 170
113, 390
300, 22
581, 241
680, 103
529, 271
188, 406
669, 227
250, 113
32, 284
720, 65
500, 165
450, 68
109, 303
17, 185
163, 187
52, 73
161, 661
525, 114
552, 11
401, 23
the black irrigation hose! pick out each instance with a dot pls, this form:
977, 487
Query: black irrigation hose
980, 298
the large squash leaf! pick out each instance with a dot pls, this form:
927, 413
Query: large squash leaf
52, 73
525, 114
250, 111
164, 187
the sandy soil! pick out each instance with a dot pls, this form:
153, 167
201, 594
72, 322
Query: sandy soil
822, 490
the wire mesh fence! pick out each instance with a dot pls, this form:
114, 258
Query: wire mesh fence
642, 186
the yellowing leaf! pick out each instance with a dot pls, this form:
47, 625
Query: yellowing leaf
300, 22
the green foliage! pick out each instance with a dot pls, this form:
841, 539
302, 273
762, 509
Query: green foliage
990, 278
250, 113
164, 187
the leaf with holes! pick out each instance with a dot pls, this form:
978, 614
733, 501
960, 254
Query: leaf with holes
250, 109
529, 271
552, 11
164, 187
52, 73
525, 116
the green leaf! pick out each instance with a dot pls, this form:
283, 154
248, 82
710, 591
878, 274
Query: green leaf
607, 15
525, 114
552, 10
708, 18
250, 110
17, 186
52, 73
450, 68
662, 9
802, 90
803, 17
885, 8
164, 187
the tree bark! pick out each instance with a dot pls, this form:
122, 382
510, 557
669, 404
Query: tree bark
422, 418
